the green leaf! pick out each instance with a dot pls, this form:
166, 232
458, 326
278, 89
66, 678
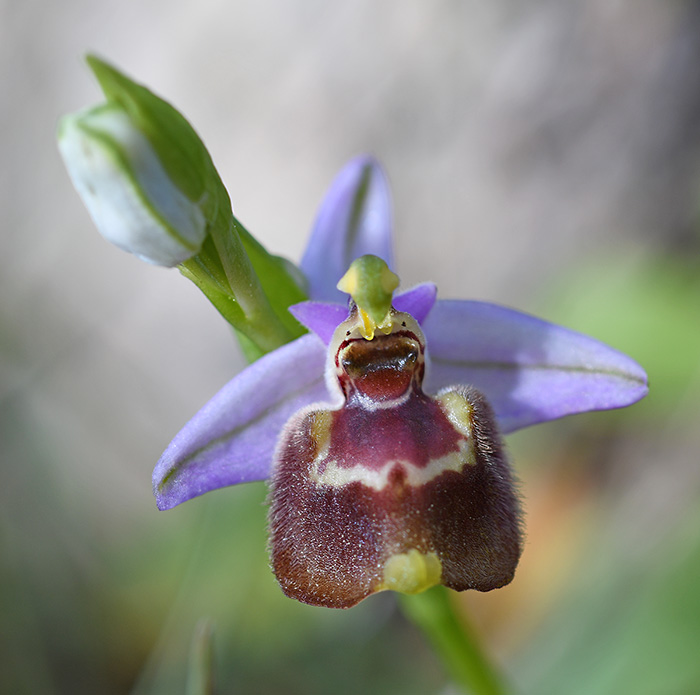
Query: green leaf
281, 280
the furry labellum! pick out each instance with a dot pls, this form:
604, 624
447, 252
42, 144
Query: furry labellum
392, 488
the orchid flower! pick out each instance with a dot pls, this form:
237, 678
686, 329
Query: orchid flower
380, 428
493, 369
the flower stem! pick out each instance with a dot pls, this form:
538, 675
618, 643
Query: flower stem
224, 272
454, 640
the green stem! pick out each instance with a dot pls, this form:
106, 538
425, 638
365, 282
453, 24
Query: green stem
224, 272
246, 288
456, 643
200, 674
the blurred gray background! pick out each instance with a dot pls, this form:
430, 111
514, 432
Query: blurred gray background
545, 155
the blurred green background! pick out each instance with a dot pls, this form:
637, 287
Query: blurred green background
545, 155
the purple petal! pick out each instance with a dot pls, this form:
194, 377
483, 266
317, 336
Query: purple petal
354, 219
323, 317
418, 301
529, 370
232, 438
320, 317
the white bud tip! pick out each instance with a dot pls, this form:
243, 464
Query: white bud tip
125, 188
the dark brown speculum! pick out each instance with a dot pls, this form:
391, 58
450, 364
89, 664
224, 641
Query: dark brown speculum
382, 369
393, 489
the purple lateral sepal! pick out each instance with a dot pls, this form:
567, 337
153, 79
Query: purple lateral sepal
232, 438
324, 317
354, 220
530, 370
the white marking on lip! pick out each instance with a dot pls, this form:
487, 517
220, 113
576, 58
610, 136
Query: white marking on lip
458, 410
325, 472
368, 403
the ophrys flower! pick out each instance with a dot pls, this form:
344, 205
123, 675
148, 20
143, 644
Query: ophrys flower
528, 370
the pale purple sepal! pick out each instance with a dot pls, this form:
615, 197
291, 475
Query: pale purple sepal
529, 370
324, 317
354, 220
232, 438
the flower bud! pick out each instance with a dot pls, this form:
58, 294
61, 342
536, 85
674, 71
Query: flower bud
131, 198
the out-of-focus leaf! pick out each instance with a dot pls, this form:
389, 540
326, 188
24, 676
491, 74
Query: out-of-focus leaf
648, 308
200, 676
629, 628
